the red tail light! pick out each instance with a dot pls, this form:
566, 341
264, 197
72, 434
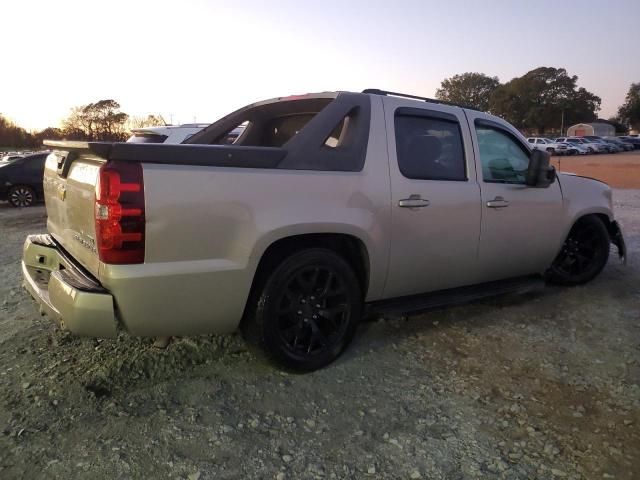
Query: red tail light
119, 213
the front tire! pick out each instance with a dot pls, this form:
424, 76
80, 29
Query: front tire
306, 311
583, 255
21, 196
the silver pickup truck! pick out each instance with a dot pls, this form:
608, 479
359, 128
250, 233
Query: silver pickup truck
326, 208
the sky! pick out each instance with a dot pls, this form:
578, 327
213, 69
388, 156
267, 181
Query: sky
196, 60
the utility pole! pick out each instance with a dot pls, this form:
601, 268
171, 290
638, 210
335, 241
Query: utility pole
562, 124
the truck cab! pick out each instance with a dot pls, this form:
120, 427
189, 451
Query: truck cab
324, 207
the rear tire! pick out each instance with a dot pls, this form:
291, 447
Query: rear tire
583, 255
306, 311
21, 196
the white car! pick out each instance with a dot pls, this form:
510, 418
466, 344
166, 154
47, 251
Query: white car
10, 156
174, 134
166, 134
548, 145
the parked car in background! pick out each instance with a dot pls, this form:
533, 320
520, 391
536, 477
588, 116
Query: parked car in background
591, 146
165, 134
172, 134
548, 145
328, 203
21, 180
635, 141
9, 157
576, 148
619, 143
611, 148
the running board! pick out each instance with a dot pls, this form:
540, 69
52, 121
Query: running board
456, 296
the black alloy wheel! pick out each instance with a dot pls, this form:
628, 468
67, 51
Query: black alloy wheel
21, 196
584, 253
308, 310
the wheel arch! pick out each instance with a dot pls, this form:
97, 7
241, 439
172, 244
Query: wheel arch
349, 246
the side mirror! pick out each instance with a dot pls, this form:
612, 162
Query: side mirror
539, 173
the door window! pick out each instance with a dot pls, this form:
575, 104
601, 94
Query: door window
429, 148
503, 158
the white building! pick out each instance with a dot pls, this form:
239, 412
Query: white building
596, 128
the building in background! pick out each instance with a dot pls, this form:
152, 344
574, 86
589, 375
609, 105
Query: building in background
602, 129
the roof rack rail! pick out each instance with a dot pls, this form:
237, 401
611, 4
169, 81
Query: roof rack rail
376, 91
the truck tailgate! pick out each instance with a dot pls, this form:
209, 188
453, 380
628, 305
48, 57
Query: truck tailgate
70, 178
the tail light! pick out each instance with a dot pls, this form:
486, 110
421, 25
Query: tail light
119, 213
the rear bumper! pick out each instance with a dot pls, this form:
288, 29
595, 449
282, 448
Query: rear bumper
66, 293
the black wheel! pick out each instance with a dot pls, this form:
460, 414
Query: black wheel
584, 253
306, 311
551, 151
21, 196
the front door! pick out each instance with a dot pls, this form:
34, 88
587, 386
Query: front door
435, 199
522, 227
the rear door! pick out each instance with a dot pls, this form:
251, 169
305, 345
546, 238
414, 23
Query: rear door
435, 198
522, 227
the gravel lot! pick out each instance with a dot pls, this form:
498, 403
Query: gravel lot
542, 386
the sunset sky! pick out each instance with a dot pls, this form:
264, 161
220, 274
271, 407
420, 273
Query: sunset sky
197, 60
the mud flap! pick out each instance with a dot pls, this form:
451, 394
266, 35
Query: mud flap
617, 238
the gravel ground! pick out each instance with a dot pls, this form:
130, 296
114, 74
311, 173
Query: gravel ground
541, 386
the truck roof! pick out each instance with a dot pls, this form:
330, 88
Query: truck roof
376, 91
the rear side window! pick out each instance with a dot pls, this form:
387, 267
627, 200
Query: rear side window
429, 148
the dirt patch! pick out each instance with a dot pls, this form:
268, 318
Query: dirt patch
621, 170
540, 386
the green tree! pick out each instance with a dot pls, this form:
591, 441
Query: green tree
621, 128
12, 135
48, 133
148, 121
629, 112
101, 120
541, 98
471, 88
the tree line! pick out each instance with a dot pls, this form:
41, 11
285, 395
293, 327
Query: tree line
99, 121
542, 100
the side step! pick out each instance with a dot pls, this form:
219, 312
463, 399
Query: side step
455, 296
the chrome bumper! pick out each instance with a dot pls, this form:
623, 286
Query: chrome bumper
65, 293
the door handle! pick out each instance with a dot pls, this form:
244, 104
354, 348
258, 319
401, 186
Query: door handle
497, 202
414, 201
